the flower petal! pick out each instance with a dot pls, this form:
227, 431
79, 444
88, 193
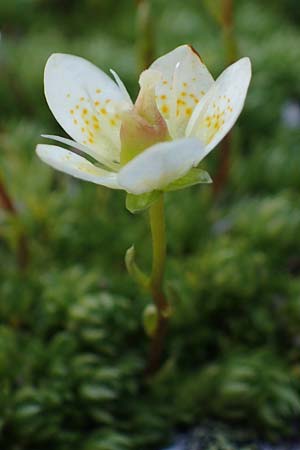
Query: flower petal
222, 105
86, 103
185, 80
84, 149
75, 165
121, 86
159, 165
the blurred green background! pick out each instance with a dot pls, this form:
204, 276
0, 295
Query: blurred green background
72, 347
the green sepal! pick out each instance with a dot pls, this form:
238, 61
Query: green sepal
134, 271
138, 203
150, 319
194, 176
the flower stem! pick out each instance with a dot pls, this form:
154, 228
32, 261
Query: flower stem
231, 52
5, 200
22, 248
145, 41
157, 224
158, 231
229, 38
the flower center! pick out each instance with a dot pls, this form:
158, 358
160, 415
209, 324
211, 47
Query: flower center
143, 126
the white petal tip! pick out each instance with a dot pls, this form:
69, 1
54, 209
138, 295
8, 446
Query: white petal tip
57, 57
43, 152
244, 63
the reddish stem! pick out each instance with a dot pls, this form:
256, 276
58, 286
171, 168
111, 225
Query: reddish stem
224, 166
158, 340
145, 34
22, 248
231, 54
5, 200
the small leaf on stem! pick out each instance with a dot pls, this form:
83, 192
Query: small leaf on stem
150, 320
194, 176
134, 271
138, 203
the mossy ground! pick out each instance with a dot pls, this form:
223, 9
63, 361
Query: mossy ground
72, 348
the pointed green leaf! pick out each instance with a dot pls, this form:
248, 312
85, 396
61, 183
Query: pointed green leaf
134, 271
194, 176
137, 203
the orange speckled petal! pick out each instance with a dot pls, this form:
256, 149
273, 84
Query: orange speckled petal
88, 151
185, 80
86, 103
75, 165
221, 106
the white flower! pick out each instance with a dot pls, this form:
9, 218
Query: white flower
180, 115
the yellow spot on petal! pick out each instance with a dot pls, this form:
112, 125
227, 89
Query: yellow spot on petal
75, 121
71, 111
188, 111
163, 97
91, 141
108, 100
208, 121
87, 122
103, 111
183, 94
165, 82
84, 111
96, 103
68, 95
77, 106
202, 92
184, 84
82, 99
165, 109
98, 91
82, 129
113, 122
96, 126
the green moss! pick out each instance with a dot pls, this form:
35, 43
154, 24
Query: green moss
72, 346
